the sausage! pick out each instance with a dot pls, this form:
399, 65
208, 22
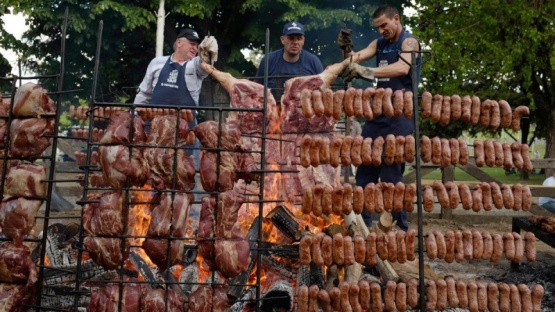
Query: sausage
485, 118
530, 246
399, 149
335, 151
525, 153
377, 100
428, 198
517, 113
371, 250
409, 148
302, 298
479, 156
452, 292
391, 246
327, 250
525, 297
517, 155
408, 105
398, 103
387, 106
346, 151
356, 151
515, 298
324, 156
472, 293
477, 202
466, 196
348, 101
360, 248
398, 196
381, 246
425, 149
306, 206
496, 195
347, 207
313, 298
459, 246
454, 197
317, 200
431, 246
366, 108
456, 109
463, 150
508, 156
338, 249
482, 295
317, 103
426, 104
327, 99
487, 199
441, 192
441, 246
506, 114
354, 300
449, 246
348, 250
477, 244
445, 111
431, 295
376, 292
377, 149
337, 199
344, 287
400, 237
324, 299
504, 297
304, 249
401, 297
378, 198
315, 151
466, 108
455, 151
537, 295
462, 294
495, 115
489, 153
517, 194
364, 294
499, 155
335, 296
488, 245
508, 198
497, 248
519, 248
305, 151
441, 286
409, 244
338, 103
437, 103
475, 110
509, 246
366, 151
412, 293
358, 199
389, 296
445, 153
436, 150
410, 194
357, 104
468, 244
388, 191
306, 103
369, 205
526, 198
389, 149
316, 251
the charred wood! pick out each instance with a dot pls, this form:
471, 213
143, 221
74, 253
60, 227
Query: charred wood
237, 284
281, 219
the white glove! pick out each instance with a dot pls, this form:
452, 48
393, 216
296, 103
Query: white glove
208, 50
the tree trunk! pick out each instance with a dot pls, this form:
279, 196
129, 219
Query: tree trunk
160, 29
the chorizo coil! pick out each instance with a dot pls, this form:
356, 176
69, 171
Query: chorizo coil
517, 114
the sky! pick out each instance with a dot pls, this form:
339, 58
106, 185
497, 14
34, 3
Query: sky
15, 25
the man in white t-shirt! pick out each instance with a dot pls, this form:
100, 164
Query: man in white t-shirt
548, 203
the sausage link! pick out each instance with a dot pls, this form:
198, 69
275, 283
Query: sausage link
437, 103
398, 196
399, 149
377, 150
306, 206
426, 104
335, 296
488, 245
436, 150
504, 297
398, 103
445, 111
518, 162
431, 295
388, 190
324, 299
305, 151
431, 246
449, 246
338, 103
516, 303
366, 108
408, 105
391, 247
497, 248
317, 200
376, 302
517, 195
369, 204
530, 246
324, 151
482, 295
409, 148
401, 297
410, 194
366, 151
364, 294
489, 153
466, 196
346, 151
313, 298
463, 150
485, 117
306, 104
389, 296
371, 249
525, 154
506, 114
378, 198
400, 237
508, 198
487, 199
327, 250
426, 149
327, 203
387, 106
479, 157
441, 193
455, 151
462, 294
453, 191
499, 155
389, 149
445, 153
335, 151
317, 103
472, 290
475, 109
509, 246
496, 195
315, 151
327, 99
525, 297
338, 249
537, 295
495, 115
468, 245
358, 199
304, 249
441, 294
317, 256
508, 156
459, 247
357, 104
344, 287
412, 293
302, 298
348, 250
381, 246
377, 100
517, 114
466, 108
347, 207
428, 198
360, 248
477, 202
493, 297
356, 151
409, 244
441, 246
477, 244
348, 101
354, 300
519, 248
452, 292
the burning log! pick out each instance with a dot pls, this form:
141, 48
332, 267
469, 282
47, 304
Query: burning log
279, 297
284, 222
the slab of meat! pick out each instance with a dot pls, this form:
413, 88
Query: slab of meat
163, 131
104, 217
205, 233
225, 174
161, 163
117, 166
209, 134
157, 250
228, 206
29, 137
16, 297
221, 302
105, 251
201, 299
31, 100
232, 256
166, 214
25, 180
16, 264
17, 217
107, 298
119, 129
156, 300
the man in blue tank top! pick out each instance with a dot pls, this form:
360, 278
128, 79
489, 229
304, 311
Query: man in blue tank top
392, 72
291, 60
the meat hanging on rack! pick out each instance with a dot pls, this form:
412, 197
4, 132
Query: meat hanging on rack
163, 131
103, 215
119, 162
106, 251
25, 180
17, 217
119, 130
29, 138
209, 134
32, 100
17, 265
161, 162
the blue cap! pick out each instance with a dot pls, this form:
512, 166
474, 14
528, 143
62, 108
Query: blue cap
293, 28
189, 34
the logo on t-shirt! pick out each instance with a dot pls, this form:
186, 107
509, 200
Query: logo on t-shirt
172, 77
382, 64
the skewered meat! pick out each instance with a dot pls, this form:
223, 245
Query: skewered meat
30, 137
119, 129
107, 252
16, 264
25, 180
103, 215
31, 100
163, 131
107, 298
17, 217
205, 232
119, 162
209, 134
214, 177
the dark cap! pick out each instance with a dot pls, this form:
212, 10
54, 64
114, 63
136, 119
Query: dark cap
293, 28
189, 34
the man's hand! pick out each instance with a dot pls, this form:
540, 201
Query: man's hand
356, 71
208, 50
344, 40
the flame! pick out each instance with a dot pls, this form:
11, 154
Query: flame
139, 219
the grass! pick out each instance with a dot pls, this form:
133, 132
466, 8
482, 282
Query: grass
496, 173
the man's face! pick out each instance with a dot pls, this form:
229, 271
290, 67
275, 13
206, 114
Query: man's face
293, 44
187, 48
387, 27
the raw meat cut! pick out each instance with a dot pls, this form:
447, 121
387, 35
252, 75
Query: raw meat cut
155, 300
200, 300
209, 135
166, 212
25, 180
16, 297
119, 129
205, 233
104, 217
157, 250
30, 137
17, 217
225, 174
16, 264
232, 256
161, 162
228, 205
106, 251
163, 131
31, 100
117, 166
107, 298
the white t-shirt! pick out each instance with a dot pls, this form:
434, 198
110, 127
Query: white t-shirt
548, 182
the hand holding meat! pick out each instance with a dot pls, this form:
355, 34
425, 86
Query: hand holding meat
208, 50
357, 71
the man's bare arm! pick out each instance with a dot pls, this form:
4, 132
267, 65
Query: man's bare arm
402, 66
